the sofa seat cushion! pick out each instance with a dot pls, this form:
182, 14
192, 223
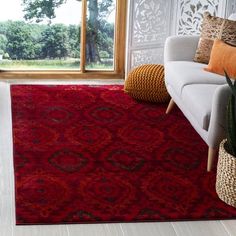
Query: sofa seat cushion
182, 73
198, 100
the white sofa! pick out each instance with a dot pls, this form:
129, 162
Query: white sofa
202, 96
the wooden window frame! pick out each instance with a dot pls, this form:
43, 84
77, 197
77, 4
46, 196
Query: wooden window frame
119, 55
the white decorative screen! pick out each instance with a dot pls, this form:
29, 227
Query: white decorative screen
147, 56
190, 14
149, 25
152, 21
231, 7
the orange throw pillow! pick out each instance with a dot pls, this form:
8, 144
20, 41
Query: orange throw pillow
214, 27
223, 57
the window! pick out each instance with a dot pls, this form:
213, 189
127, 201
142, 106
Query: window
73, 38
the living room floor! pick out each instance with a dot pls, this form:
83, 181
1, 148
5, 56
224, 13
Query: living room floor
7, 207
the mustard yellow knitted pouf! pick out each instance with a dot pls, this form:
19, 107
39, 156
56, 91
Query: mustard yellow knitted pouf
147, 83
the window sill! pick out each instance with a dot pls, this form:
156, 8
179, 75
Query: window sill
60, 75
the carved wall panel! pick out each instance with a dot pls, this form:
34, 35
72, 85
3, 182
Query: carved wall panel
147, 56
190, 14
150, 21
231, 7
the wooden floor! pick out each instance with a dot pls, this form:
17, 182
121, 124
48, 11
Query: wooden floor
7, 208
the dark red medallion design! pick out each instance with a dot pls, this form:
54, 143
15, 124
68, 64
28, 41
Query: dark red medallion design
91, 137
136, 134
93, 154
107, 191
38, 193
69, 161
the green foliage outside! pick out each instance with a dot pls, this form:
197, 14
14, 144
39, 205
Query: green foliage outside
69, 63
36, 41
26, 44
23, 41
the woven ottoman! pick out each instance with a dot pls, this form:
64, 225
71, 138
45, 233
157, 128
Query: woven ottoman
147, 83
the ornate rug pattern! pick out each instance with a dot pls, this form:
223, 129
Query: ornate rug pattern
93, 154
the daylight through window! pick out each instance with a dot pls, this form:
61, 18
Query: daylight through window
61, 35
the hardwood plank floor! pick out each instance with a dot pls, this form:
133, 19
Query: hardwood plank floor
200, 228
42, 230
144, 229
6, 230
95, 230
230, 226
7, 207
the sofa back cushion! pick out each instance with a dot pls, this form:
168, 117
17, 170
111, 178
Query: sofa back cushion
223, 57
214, 28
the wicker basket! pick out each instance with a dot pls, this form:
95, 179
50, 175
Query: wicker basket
226, 176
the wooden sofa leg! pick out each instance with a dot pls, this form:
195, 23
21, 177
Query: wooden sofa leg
170, 106
212, 153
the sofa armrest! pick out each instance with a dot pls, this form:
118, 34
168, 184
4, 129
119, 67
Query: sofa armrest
217, 128
180, 48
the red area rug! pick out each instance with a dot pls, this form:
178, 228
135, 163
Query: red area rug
93, 154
